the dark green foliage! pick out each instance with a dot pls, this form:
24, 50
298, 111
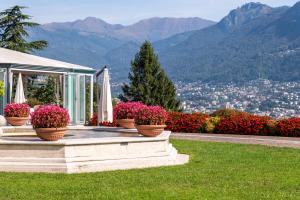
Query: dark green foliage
148, 82
13, 32
46, 94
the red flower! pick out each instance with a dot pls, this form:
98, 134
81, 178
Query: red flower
184, 122
94, 119
50, 116
16, 110
151, 115
244, 124
127, 110
289, 127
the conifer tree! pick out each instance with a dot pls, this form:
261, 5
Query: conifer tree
13, 24
148, 81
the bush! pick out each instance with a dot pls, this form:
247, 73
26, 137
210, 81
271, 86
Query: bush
185, 123
243, 125
33, 102
223, 113
16, 110
210, 124
127, 110
289, 127
151, 115
50, 117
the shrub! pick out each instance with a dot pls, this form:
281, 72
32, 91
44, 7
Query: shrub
243, 125
151, 115
50, 116
271, 127
185, 123
127, 110
16, 110
33, 102
210, 124
93, 120
223, 113
289, 127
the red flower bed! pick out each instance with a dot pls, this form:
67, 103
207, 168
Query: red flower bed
243, 125
16, 110
185, 123
289, 127
151, 115
94, 119
127, 110
50, 117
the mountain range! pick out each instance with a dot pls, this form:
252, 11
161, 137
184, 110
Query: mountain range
252, 41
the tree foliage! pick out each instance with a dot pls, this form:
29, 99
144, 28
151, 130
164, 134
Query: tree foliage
148, 82
13, 24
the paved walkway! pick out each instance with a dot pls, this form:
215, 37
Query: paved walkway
241, 139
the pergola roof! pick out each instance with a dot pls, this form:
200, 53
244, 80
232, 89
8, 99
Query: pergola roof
17, 58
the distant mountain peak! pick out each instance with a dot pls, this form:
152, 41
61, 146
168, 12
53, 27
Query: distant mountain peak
244, 14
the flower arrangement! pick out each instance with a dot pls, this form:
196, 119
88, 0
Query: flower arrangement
50, 116
151, 115
16, 110
185, 122
289, 127
127, 110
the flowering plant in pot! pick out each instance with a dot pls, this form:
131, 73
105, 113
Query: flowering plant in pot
17, 114
50, 122
150, 120
124, 113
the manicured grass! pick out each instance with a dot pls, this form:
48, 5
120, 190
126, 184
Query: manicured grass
216, 171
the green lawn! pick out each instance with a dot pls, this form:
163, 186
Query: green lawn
216, 171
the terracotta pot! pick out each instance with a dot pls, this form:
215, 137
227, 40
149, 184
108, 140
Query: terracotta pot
150, 130
16, 121
126, 123
51, 134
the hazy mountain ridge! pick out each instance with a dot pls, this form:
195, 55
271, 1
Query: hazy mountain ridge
94, 42
242, 52
252, 41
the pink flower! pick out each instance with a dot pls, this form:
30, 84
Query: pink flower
16, 110
127, 110
151, 115
50, 116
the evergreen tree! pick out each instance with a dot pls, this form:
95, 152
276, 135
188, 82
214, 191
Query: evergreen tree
13, 24
148, 82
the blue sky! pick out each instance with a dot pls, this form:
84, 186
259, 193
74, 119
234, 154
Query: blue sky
129, 11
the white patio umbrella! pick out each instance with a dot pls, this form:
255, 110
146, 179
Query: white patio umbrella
105, 110
20, 97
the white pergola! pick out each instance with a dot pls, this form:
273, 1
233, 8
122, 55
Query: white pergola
74, 79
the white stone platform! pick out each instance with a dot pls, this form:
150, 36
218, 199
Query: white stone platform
87, 151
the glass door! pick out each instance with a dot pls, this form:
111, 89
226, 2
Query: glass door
74, 97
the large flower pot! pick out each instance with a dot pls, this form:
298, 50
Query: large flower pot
126, 123
16, 121
150, 130
50, 134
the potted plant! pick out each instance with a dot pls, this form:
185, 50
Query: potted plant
124, 113
50, 122
150, 121
17, 114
